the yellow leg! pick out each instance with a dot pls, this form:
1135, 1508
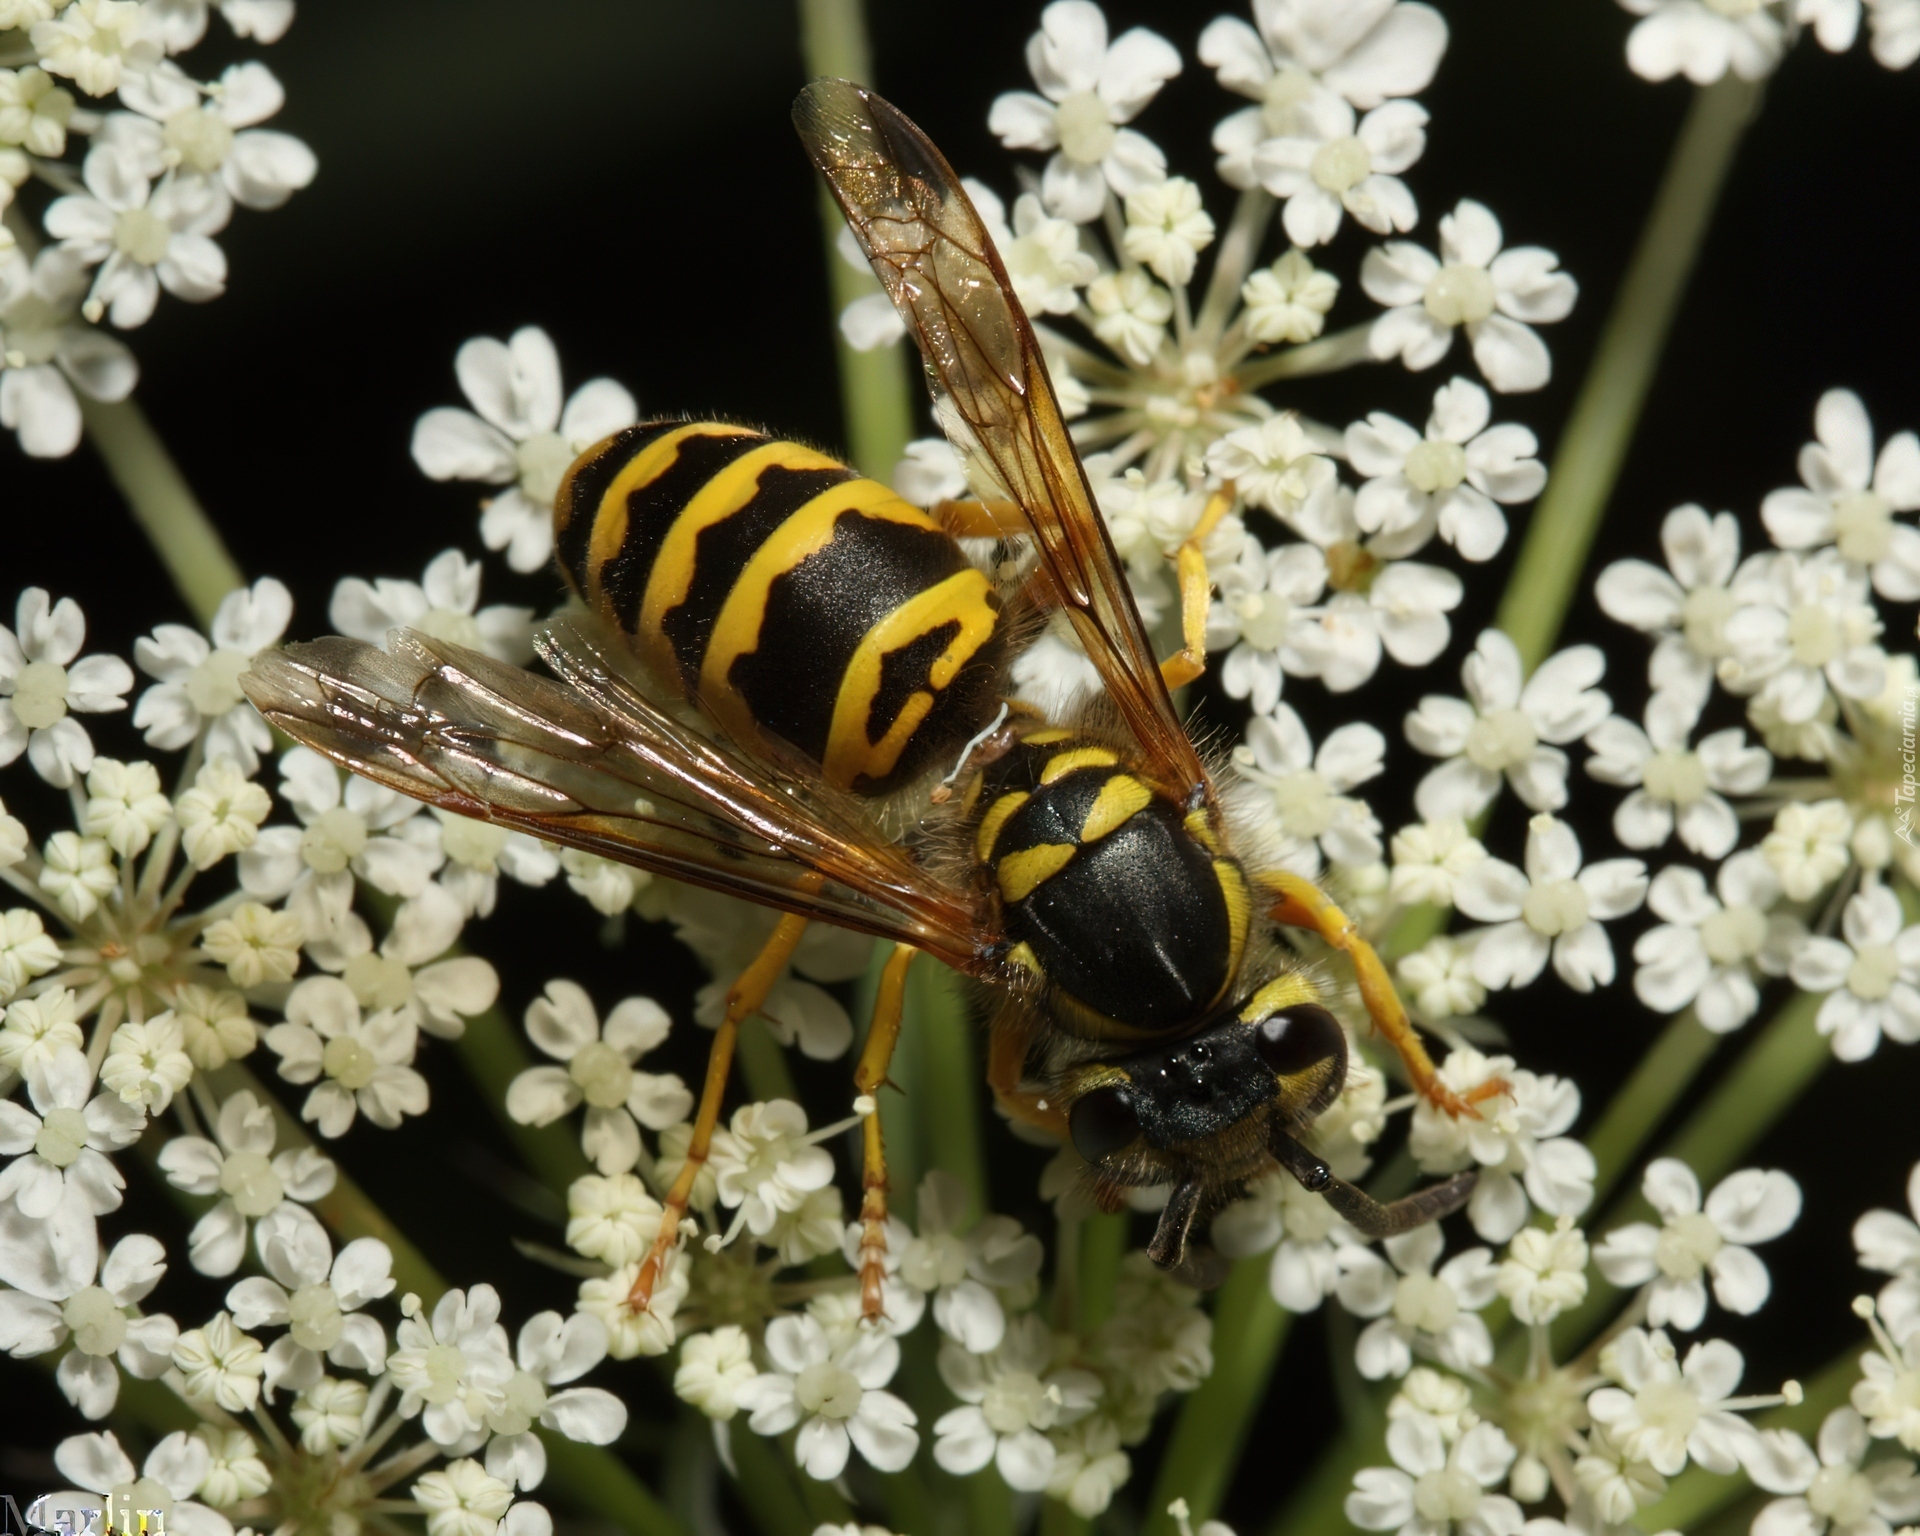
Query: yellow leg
1196, 595
1006, 1060
1303, 904
981, 519
744, 1000
882, 1035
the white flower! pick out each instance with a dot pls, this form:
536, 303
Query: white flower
1497, 296
1890, 1243
1711, 953
1437, 978
1674, 784
366, 1062
614, 1218
1686, 607
1429, 857
1544, 1272
1517, 1141
46, 353
1506, 727
220, 1365
522, 437
1665, 1410
254, 944
1309, 806
1872, 980
60, 1169
1089, 90
1808, 847
13, 850
37, 1028
1703, 40
1089, 1467
125, 806
1263, 595
41, 682
105, 1324
316, 1296
213, 139
1440, 1311
1896, 31
1167, 228
632, 1331
221, 814
172, 1473
1276, 464
1130, 310
770, 1166
452, 1369
1553, 907
1888, 1393
1751, 1206
1366, 50
713, 1368
1289, 300
77, 873
95, 43
198, 686
34, 112
1804, 624
1158, 1338
599, 1070
1835, 1491
1011, 1395
834, 1396
1448, 480
1431, 1489
141, 237
552, 1351
215, 1024
478, 853
1306, 1237
462, 1499
444, 603
1328, 162
147, 1063
1850, 497
609, 887
330, 1414
252, 1183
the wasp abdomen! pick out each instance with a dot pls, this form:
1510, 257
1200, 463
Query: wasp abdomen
786, 595
1107, 889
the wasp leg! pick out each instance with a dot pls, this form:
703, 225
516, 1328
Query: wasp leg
882, 1035
1011, 1038
1360, 1210
981, 519
1196, 596
744, 999
1303, 904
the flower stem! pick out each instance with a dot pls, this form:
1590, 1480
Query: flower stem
1603, 418
164, 506
1642, 1102
874, 389
597, 1479
948, 1106
1248, 1329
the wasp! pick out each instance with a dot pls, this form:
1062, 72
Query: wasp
770, 653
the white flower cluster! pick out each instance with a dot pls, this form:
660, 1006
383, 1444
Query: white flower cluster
158, 176
1707, 39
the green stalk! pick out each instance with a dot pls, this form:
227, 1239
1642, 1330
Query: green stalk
766, 1485
1248, 1329
597, 1479
162, 504
875, 395
1103, 1244
1642, 1102
493, 1056
763, 1062
1601, 424
947, 1107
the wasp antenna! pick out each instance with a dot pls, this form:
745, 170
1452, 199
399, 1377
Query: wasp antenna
1169, 1246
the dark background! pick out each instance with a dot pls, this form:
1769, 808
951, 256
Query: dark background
622, 172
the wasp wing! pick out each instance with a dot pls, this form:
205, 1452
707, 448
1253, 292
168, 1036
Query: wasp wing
991, 391
594, 764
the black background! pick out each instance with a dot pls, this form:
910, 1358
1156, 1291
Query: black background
622, 172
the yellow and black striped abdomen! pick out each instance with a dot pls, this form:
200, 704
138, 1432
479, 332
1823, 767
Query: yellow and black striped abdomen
786, 595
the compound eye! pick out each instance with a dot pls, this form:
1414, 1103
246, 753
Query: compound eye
1295, 1039
1102, 1123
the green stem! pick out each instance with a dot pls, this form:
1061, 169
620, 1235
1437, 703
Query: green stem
766, 1485
163, 504
598, 1480
494, 1057
1642, 1102
763, 1062
1248, 1328
1103, 1244
948, 1105
875, 392
1601, 424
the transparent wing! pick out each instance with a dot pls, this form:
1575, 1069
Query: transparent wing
990, 385
593, 764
